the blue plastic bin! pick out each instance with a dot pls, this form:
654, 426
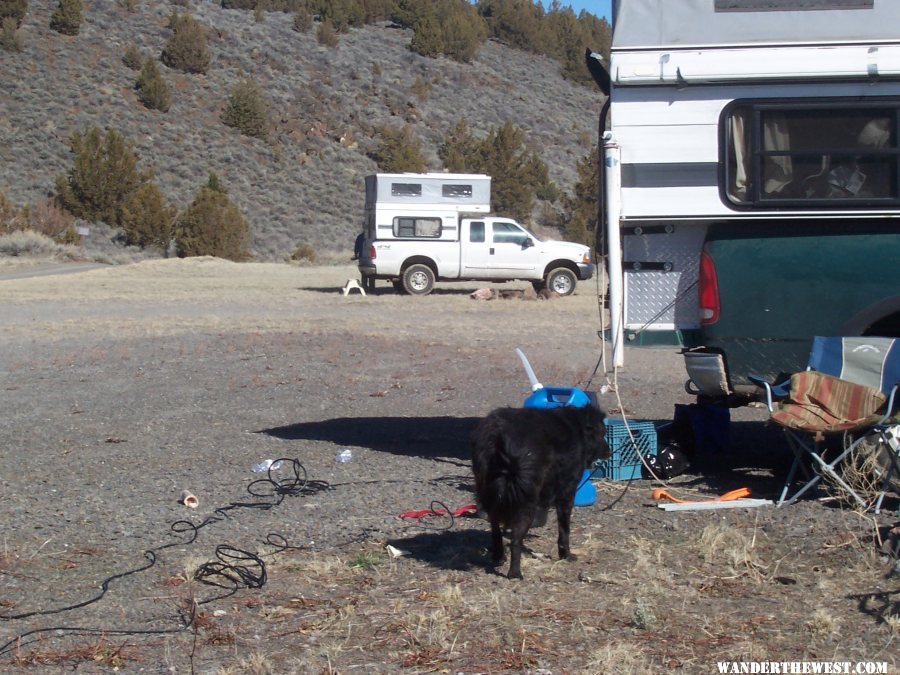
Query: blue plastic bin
625, 461
557, 397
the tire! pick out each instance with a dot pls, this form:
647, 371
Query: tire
418, 279
562, 280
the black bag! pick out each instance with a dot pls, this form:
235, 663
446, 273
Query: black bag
668, 462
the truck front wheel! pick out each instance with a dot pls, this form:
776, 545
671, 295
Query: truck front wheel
418, 279
562, 280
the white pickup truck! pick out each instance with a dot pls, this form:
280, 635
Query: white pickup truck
421, 228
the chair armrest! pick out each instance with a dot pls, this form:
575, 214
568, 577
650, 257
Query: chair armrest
889, 407
774, 392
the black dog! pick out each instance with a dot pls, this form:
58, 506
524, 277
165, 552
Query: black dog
526, 460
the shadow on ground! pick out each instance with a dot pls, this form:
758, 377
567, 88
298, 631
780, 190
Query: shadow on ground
432, 437
755, 455
460, 550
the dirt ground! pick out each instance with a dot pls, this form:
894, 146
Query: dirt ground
124, 386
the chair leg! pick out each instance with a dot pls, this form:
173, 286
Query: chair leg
799, 449
828, 468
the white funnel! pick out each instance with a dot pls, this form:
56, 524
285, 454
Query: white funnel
535, 385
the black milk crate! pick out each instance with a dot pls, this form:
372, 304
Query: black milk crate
625, 461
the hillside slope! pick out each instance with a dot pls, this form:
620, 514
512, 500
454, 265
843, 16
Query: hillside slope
304, 185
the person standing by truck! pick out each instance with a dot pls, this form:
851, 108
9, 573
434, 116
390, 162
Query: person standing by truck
358, 245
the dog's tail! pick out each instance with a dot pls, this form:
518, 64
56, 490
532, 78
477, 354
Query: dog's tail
512, 479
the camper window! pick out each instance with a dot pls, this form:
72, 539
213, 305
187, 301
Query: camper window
428, 228
800, 153
406, 189
456, 191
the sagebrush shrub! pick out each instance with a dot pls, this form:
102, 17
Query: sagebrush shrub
10, 39
304, 252
152, 89
14, 9
187, 49
246, 110
326, 34
28, 242
133, 57
212, 225
47, 218
67, 17
303, 20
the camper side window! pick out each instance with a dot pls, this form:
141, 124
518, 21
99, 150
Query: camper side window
456, 191
406, 189
794, 155
425, 228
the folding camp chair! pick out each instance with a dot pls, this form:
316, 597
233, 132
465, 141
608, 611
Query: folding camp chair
849, 388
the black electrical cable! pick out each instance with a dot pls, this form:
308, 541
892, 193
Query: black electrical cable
236, 566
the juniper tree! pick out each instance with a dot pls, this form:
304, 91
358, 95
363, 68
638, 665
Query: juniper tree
399, 150
246, 110
104, 176
147, 219
582, 216
212, 225
459, 150
152, 89
186, 50
67, 17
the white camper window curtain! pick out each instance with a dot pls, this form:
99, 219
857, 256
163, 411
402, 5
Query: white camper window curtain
740, 160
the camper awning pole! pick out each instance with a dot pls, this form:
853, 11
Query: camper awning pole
611, 153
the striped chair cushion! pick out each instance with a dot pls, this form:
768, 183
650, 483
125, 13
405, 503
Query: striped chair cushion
820, 402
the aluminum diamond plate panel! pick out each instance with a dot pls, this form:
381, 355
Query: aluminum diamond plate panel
663, 299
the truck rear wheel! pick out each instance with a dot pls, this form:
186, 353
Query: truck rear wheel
418, 279
562, 280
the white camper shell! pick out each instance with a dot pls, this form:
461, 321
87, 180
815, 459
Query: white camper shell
460, 193
420, 228
737, 117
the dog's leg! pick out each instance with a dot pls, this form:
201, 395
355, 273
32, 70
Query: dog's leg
496, 542
563, 520
518, 528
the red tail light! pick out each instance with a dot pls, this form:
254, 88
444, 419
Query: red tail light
709, 290
372, 252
